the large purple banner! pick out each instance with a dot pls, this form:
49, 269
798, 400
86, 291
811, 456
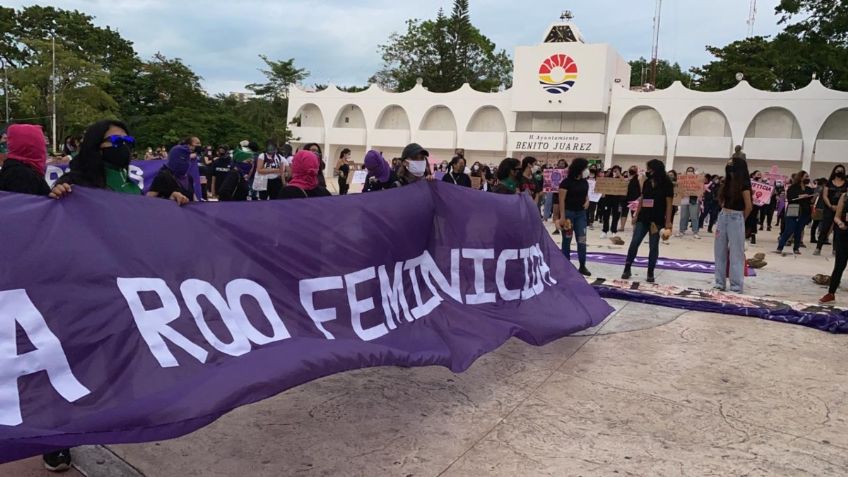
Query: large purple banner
149, 320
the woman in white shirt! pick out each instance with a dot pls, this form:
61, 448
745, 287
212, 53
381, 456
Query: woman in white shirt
270, 169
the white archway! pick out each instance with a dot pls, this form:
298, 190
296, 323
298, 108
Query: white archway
487, 119
774, 123
310, 116
350, 116
393, 117
438, 118
642, 120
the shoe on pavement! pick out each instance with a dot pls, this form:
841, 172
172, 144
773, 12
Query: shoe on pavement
827, 298
626, 275
650, 279
556, 232
697, 236
796, 252
603, 235
58, 461
817, 252
585, 272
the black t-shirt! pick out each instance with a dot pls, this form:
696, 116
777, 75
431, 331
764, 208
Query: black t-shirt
633, 189
654, 200
344, 170
220, 168
372, 184
18, 177
577, 191
738, 203
794, 192
292, 192
834, 192
165, 184
459, 179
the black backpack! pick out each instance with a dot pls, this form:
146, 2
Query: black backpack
234, 187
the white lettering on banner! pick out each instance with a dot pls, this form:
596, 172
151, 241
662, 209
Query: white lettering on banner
136, 174
192, 290
500, 275
308, 288
153, 324
392, 293
237, 289
16, 307
358, 307
421, 309
479, 255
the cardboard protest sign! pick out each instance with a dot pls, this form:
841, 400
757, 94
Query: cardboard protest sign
476, 182
593, 196
691, 185
611, 185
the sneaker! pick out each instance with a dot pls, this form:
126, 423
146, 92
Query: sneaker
796, 252
678, 234
697, 236
817, 252
718, 287
603, 235
827, 298
626, 275
58, 461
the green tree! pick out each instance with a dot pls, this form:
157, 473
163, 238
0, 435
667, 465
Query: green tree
281, 75
752, 57
445, 53
667, 73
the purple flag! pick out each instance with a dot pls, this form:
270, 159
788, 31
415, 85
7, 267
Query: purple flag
130, 319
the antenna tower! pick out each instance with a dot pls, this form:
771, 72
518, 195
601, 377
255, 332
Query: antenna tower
655, 45
752, 17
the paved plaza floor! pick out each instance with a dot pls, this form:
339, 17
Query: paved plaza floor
651, 391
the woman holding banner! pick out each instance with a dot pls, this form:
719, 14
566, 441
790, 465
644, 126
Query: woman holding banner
573, 202
652, 215
835, 188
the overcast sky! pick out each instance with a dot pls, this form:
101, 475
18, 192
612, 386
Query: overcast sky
336, 40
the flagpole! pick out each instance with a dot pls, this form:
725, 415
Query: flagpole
53, 77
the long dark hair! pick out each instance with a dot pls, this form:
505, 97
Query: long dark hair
799, 178
833, 172
527, 162
89, 162
575, 170
658, 175
506, 166
735, 181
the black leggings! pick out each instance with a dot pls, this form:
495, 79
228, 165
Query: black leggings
840, 245
824, 228
766, 215
611, 209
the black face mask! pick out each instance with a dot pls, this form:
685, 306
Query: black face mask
633, 172
649, 173
806, 181
840, 174
118, 157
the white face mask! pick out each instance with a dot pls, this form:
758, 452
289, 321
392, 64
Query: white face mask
585, 173
417, 168
536, 169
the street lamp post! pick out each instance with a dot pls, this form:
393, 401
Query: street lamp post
5, 88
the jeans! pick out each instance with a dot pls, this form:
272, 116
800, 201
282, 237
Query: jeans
840, 246
549, 205
730, 247
689, 213
794, 227
640, 229
578, 224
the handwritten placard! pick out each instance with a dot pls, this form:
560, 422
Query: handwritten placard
359, 177
761, 193
593, 196
691, 185
611, 185
476, 182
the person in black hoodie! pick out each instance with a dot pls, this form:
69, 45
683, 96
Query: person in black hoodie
173, 180
456, 173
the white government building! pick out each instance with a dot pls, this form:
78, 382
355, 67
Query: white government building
572, 99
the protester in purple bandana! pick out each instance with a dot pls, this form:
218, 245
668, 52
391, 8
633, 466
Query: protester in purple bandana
173, 180
380, 175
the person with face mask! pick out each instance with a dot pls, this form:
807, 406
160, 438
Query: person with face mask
611, 208
270, 170
652, 215
634, 191
833, 190
173, 181
456, 173
103, 161
314, 148
343, 169
509, 171
573, 202
304, 182
380, 175
414, 164
526, 181
798, 213
690, 211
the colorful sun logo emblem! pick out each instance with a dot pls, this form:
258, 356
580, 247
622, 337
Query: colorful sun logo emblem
558, 74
